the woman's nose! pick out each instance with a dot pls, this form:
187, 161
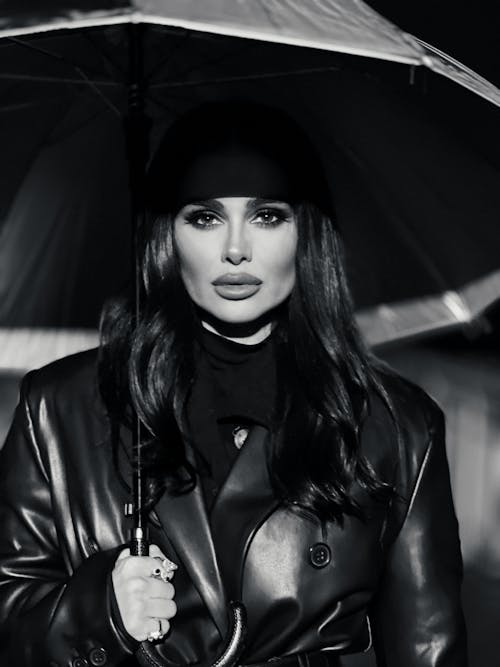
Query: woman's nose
237, 247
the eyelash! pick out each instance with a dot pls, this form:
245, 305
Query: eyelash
195, 217
279, 217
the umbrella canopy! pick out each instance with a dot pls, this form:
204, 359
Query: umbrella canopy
417, 191
346, 26
338, 25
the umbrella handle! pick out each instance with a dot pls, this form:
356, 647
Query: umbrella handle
235, 640
233, 646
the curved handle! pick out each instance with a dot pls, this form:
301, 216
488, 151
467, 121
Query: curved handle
233, 646
235, 641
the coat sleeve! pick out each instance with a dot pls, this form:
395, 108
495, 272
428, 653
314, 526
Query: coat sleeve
417, 618
49, 614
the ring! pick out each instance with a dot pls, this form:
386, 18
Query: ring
170, 567
166, 571
155, 635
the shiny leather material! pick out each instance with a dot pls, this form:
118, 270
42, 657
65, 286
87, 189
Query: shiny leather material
393, 580
314, 659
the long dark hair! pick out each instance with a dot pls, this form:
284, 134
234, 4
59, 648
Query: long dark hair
146, 368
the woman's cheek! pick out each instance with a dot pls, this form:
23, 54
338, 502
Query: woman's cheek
196, 280
281, 261
195, 258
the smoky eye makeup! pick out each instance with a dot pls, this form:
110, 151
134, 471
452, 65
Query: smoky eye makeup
269, 213
202, 218
259, 212
201, 214
270, 216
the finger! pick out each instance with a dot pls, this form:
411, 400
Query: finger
141, 566
158, 608
161, 572
160, 589
152, 626
156, 552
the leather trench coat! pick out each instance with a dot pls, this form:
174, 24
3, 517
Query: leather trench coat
392, 581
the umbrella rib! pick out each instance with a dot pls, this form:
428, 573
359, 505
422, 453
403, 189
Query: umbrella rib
77, 69
14, 76
27, 105
54, 55
248, 77
244, 49
164, 61
99, 92
104, 53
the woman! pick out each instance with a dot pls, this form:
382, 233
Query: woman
285, 467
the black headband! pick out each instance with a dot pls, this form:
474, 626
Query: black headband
234, 172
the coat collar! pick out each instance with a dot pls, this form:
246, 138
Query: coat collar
214, 551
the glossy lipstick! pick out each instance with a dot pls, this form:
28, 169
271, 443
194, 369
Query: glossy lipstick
236, 286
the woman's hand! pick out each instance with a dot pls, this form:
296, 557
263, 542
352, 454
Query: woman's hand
145, 601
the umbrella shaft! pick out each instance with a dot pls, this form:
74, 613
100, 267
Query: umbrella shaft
136, 129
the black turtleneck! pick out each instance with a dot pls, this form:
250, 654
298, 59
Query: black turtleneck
235, 387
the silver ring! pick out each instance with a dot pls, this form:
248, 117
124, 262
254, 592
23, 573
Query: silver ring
169, 567
166, 571
155, 635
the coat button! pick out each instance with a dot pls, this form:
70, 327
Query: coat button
79, 662
98, 657
320, 555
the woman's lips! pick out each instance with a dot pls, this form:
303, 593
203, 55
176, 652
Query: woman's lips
236, 292
236, 286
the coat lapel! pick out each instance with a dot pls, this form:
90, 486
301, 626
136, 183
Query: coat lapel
185, 522
214, 551
244, 501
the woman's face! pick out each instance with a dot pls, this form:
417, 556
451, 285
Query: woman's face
237, 255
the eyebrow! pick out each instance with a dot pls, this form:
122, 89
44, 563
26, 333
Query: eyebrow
263, 201
208, 203
251, 205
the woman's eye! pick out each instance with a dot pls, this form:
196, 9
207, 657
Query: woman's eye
202, 219
269, 217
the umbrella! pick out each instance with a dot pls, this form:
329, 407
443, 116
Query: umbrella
417, 199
